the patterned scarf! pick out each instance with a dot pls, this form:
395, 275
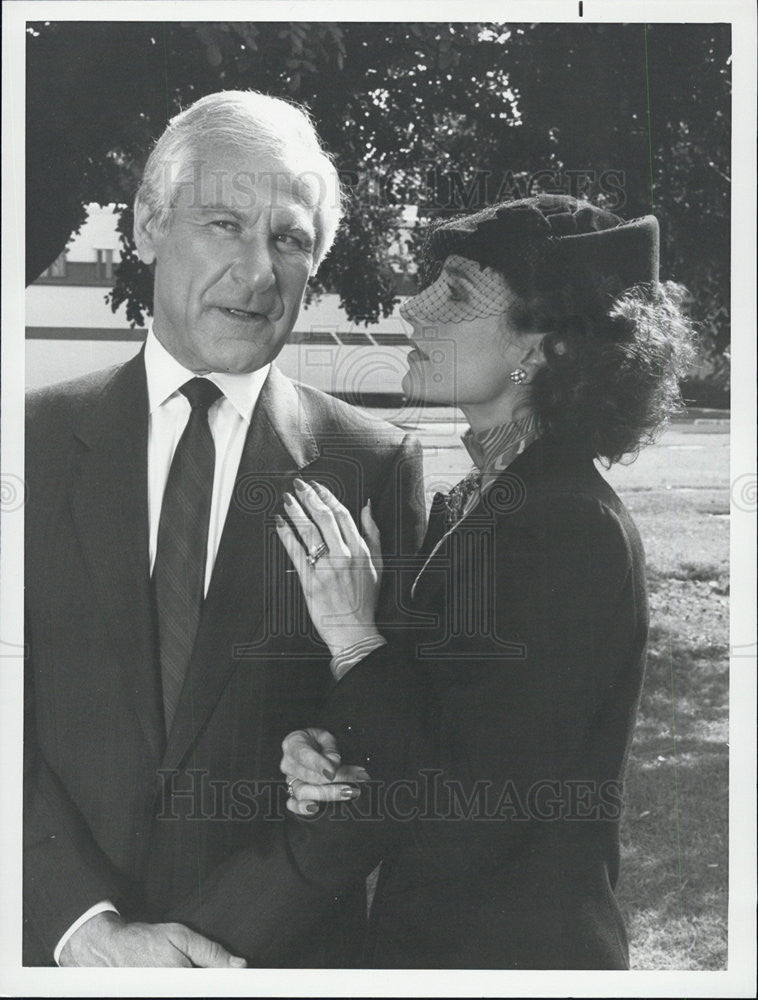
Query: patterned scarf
492, 451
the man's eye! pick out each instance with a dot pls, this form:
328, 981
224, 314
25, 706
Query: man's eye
227, 225
293, 241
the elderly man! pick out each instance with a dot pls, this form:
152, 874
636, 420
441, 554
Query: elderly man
168, 650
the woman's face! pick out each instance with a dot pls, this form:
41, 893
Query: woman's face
465, 343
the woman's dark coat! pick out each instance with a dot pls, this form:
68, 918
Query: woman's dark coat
534, 656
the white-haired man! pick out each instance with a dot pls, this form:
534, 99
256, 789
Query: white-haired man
168, 655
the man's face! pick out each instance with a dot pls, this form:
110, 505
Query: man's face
232, 263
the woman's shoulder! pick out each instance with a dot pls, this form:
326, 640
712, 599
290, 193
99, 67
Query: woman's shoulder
553, 479
582, 509
559, 497
591, 528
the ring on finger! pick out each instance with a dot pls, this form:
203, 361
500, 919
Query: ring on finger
291, 787
314, 556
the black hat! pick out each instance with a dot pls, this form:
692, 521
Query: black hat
555, 238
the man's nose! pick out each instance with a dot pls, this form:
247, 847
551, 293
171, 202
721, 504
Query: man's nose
254, 266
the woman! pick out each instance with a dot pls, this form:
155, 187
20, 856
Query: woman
508, 709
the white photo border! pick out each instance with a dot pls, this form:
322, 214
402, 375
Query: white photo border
739, 978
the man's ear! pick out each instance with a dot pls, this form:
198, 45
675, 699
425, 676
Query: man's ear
145, 229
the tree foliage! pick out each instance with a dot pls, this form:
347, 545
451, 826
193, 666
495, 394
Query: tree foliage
655, 104
445, 117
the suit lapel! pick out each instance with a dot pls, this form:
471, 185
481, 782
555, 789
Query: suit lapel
513, 483
109, 504
279, 443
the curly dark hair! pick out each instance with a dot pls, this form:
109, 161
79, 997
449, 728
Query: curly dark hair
611, 381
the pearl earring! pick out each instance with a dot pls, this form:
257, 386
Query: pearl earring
518, 376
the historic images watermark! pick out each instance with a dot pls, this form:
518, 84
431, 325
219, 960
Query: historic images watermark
452, 190
445, 190
429, 796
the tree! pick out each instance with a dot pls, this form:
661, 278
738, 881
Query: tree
376, 93
653, 102
445, 117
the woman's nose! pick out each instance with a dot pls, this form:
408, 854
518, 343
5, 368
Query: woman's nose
406, 309
423, 307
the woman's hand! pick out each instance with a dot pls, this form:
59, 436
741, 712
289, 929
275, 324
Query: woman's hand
312, 766
341, 587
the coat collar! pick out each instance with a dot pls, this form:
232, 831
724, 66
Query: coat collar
283, 413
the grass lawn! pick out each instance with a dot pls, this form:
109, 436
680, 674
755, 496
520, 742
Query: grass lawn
673, 887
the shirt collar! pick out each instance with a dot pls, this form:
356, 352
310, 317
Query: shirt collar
495, 448
165, 376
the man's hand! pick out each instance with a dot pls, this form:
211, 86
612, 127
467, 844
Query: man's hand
107, 940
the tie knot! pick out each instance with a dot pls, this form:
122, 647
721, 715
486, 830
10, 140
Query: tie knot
201, 393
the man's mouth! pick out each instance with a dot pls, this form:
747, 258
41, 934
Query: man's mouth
245, 314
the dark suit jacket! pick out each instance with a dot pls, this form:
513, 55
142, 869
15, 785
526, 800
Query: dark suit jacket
114, 810
527, 687
496, 735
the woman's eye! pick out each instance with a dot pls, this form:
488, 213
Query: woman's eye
227, 225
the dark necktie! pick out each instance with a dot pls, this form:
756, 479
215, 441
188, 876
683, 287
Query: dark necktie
179, 573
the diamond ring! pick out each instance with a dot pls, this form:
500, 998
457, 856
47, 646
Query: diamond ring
313, 557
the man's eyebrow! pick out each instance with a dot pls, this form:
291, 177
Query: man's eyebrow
219, 206
290, 219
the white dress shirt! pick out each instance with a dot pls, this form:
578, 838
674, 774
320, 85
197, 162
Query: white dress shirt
229, 420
